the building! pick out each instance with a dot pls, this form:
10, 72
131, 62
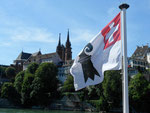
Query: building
64, 52
41, 58
64, 70
140, 60
18, 63
62, 58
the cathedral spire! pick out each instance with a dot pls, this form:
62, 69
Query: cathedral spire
59, 43
68, 52
68, 44
68, 36
59, 47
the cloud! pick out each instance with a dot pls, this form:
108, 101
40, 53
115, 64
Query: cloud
81, 35
28, 34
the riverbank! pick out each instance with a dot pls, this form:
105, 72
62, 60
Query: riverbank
4, 110
64, 104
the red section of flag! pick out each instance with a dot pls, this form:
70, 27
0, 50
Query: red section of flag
109, 34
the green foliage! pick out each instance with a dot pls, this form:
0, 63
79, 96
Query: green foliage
26, 89
18, 81
9, 92
103, 104
95, 103
95, 91
2, 72
84, 94
10, 72
35, 86
6, 90
139, 91
68, 85
138, 87
45, 83
32, 68
112, 88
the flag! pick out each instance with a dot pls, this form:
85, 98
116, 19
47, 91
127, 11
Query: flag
102, 53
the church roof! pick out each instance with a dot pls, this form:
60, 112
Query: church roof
37, 53
39, 58
23, 56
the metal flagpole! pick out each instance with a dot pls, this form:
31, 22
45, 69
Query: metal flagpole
123, 8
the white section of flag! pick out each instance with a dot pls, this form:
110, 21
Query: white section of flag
102, 59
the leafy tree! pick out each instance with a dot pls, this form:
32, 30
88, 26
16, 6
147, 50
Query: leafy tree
112, 88
94, 92
68, 85
139, 91
45, 84
18, 81
138, 87
32, 68
103, 104
2, 72
26, 89
10, 72
8, 91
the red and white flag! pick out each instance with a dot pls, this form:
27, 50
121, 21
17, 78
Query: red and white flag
102, 53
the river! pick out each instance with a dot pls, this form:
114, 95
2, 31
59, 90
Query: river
5, 110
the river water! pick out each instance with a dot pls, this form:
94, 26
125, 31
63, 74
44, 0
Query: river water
4, 110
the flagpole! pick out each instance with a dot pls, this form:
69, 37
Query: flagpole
123, 8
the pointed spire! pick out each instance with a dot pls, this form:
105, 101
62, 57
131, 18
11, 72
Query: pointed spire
68, 44
59, 43
68, 36
68, 53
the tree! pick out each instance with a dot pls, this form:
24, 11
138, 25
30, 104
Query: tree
26, 90
138, 87
8, 91
139, 91
112, 88
68, 84
2, 72
32, 68
10, 72
44, 84
18, 81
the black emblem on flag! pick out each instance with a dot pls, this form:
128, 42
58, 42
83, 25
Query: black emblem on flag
87, 65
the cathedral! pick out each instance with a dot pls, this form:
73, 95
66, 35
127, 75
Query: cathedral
62, 55
64, 52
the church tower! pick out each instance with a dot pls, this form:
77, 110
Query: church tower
59, 47
68, 52
63, 52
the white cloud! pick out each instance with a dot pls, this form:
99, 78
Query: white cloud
18, 30
28, 34
82, 35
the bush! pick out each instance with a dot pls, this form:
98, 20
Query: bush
8, 91
10, 72
68, 85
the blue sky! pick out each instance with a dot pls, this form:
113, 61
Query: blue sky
32, 24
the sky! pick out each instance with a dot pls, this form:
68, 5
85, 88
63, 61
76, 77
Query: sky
30, 25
